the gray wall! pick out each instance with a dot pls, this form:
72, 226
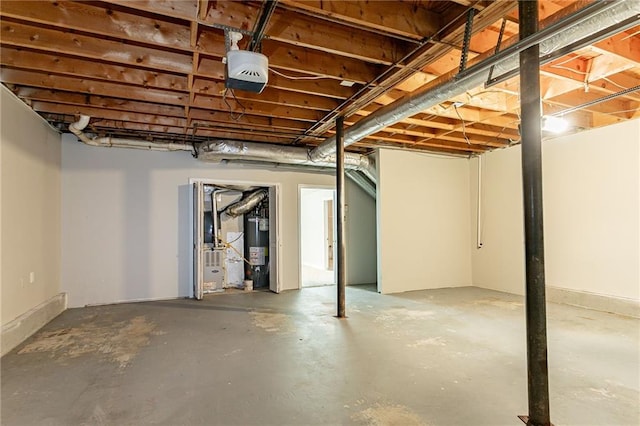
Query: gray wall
126, 231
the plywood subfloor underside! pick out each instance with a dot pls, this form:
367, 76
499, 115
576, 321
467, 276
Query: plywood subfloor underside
439, 357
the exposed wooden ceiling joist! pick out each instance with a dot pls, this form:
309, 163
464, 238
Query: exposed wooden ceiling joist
154, 70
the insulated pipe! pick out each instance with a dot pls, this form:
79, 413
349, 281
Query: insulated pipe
530, 105
237, 150
357, 177
340, 225
247, 203
217, 151
582, 24
107, 141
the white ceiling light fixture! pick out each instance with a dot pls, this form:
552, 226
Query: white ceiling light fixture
553, 124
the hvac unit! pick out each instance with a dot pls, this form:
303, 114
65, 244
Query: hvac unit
214, 269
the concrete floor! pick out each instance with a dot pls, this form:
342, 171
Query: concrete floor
312, 276
439, 357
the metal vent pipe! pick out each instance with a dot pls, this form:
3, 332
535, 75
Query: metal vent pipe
236, 150
580, 25
222, 150
247, 203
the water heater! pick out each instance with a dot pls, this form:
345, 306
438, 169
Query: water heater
256, 243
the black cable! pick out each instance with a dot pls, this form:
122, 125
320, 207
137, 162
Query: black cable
226, 102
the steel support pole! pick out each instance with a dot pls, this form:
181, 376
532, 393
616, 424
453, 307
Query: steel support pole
537, 369
340, 213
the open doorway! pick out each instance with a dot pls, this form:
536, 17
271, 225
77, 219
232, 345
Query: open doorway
235, 232
317, 236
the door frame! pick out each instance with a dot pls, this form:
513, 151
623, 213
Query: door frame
302, 186
276, 284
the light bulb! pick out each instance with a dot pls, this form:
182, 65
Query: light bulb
554, 124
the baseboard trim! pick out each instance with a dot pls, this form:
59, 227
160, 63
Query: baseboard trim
593, 301
21, 328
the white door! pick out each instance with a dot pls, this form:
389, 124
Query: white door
274, 278
328, 234
198, 242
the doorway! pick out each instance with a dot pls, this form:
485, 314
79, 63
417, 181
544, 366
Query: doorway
317, 236
235, 237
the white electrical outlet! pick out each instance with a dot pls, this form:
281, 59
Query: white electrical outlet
32, 277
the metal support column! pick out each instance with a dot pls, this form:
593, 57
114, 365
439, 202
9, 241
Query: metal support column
340, 213
537, 369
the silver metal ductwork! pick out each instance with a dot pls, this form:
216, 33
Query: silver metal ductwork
236, 150
583, 24
363, 168
246, 204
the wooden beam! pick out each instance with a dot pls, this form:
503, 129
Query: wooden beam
203, 9
334, 39
182, 9
213, 68
203, 117
294, 58
619, 107
624, 45
401, 18
70, 66
108, 114
58, 82
256, 108
268, 95
428, 54
108, 21
94, 101
59, 42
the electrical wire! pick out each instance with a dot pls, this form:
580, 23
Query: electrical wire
291, 77
464, 128
229, 246
226, 102
614, 83
560, 67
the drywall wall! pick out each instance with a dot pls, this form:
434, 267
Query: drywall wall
591, 214
423, 221
30, 218
127, 214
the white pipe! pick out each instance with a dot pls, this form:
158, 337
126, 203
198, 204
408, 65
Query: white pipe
479, 211
109, 142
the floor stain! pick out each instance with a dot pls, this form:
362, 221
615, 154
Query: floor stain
388, 415
505, 304
119, 341
272, 322
403, 314
432, 341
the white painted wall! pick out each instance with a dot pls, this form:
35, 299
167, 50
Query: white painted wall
30, 208
312, 225
423, 222
591, 214
126, 220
